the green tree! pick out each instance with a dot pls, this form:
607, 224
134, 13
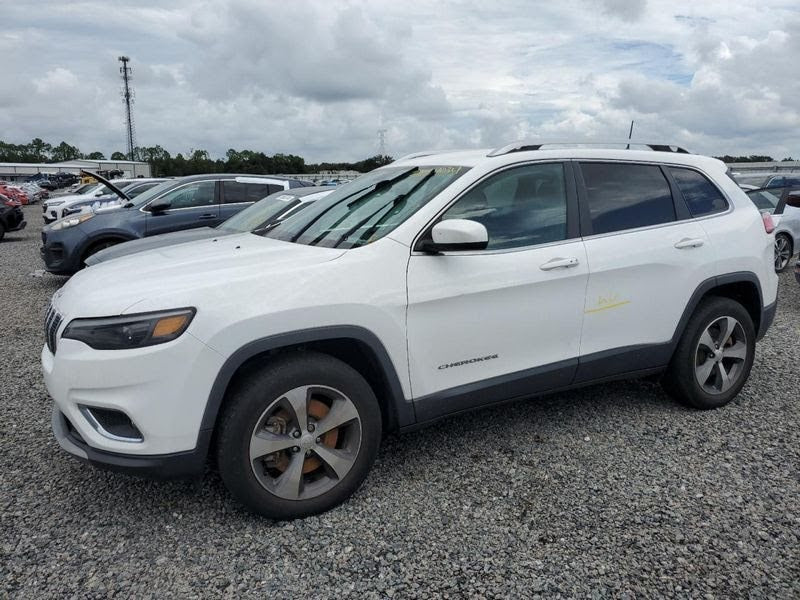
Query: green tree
95, 156
64, 152
118, 156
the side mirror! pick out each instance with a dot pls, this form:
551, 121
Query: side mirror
455, 235
159, 205
793, 199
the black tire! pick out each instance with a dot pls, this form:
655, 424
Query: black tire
95, 248
2, 231
681, 381
783, 244
251, 398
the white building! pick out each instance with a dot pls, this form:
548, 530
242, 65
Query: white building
20, 171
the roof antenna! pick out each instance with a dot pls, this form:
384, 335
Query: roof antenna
630, 133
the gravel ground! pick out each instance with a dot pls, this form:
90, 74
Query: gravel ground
610, 491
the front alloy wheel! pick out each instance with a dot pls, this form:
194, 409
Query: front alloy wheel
298, 435
305, 442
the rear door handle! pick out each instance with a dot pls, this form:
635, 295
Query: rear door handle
559, 263
207, 216
689, 243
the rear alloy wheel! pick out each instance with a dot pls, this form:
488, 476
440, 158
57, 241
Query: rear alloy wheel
298, 436
713, 359
783, 252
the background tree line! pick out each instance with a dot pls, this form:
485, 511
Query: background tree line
195, 161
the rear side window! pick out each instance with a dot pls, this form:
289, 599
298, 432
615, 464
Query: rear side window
235, 191
702, 197
625, 196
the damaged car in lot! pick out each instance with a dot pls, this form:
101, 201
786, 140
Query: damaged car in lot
174, 205
437, 284
11, 216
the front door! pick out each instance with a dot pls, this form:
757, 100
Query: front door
506, 321
192, 205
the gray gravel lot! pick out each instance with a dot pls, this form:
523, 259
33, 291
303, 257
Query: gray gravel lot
610, 491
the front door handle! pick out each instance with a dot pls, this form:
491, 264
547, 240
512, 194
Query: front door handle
207, 216
689, 243
559, 263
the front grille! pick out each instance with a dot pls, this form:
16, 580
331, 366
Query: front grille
51, 324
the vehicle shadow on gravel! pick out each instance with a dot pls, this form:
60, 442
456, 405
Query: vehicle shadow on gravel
523, 429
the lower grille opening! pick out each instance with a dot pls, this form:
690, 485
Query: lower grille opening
113, 424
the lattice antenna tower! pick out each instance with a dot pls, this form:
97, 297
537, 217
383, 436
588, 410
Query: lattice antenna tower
382, 142
128, 98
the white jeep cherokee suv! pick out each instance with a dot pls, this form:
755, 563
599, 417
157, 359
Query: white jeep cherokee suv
435, 285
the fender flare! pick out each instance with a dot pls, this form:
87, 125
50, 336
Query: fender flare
403, 409
708, 285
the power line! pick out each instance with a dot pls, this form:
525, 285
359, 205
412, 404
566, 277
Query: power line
128, 98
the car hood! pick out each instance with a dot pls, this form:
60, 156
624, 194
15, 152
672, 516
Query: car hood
155, 241
182, 272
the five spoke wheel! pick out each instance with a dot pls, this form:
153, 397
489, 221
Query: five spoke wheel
305, 442
783, 252
720, 355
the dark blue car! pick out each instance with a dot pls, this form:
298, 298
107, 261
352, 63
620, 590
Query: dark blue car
183, 203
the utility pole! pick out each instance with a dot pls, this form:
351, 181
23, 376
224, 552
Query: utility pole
128, 97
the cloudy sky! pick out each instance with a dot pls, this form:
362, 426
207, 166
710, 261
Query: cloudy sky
319, 79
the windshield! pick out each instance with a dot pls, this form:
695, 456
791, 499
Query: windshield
262, 212
765, 199
368, 208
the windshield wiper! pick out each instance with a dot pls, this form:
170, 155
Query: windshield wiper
368, 191
394, 202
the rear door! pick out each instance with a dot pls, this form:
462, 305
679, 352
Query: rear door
193, 204
646, 256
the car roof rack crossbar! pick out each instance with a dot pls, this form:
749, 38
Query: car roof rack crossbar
530, 146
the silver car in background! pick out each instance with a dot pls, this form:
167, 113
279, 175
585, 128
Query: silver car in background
785, 217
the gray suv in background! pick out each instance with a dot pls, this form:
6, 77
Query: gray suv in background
178, 204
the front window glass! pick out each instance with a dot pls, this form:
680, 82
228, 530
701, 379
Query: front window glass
191, 195
368, 208
519, 207
145, 197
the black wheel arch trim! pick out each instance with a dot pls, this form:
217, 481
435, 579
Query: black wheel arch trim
715, 282
401, 408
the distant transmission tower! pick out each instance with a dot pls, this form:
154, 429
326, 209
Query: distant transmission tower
382, 142
128, 98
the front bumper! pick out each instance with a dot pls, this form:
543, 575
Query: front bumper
163, 466
61, 251
162, 390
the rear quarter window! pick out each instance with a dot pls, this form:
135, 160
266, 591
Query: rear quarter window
701, 196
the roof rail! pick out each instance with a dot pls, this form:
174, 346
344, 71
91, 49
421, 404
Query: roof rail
529, 146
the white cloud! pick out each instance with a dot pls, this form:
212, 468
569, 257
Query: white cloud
319, 78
